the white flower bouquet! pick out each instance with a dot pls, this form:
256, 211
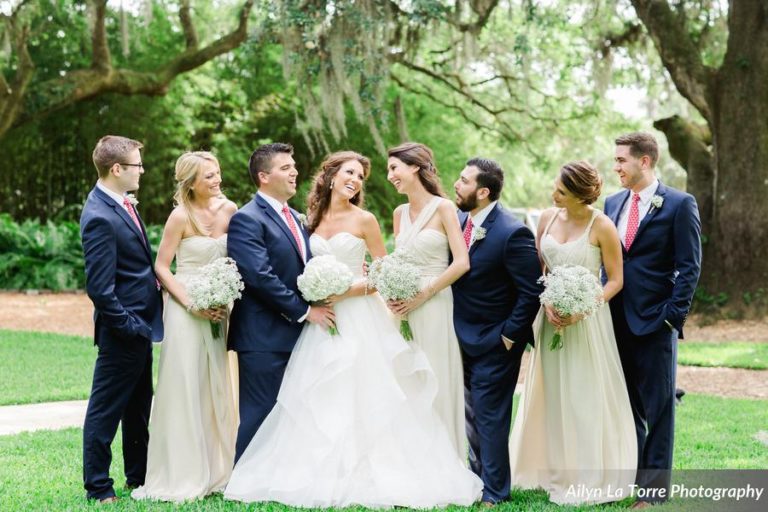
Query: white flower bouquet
570, 290
324, 276
218, 284
396, 278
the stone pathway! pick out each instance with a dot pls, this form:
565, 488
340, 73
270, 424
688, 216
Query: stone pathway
45, 416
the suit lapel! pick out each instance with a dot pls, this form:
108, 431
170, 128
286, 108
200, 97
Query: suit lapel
661, 190
614, 215
486, 225
120, 211
272, 214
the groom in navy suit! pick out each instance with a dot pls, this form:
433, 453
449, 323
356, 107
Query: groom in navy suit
128, 306
661, 234
494, 306
271, 247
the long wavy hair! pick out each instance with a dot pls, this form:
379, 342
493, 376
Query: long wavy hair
188, 169
319, 197
420, 155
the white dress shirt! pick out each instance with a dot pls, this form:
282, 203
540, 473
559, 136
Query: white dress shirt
642, 206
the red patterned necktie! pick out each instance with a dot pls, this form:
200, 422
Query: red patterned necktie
294, 229
132, 213
468, 231
633, 221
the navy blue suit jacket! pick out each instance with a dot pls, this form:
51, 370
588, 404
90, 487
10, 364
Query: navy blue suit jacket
120, 279
662, 266
500, 293
266, 318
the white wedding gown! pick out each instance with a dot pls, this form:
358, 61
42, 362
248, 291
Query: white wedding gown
354, 423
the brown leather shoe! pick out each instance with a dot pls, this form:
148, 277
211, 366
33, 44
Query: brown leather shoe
639, 505
487, 504
107, 501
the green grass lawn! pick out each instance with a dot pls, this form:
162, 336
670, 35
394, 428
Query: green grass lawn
44, 367
41, 367
42, 470
735, 354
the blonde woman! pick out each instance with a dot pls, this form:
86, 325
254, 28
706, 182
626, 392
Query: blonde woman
193, 421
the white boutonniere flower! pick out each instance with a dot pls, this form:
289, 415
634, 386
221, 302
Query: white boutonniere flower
303, 220
479, 233
132, 199
657, 201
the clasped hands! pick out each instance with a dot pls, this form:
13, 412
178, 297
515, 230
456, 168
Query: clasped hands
561, 321
403, 307
213, 314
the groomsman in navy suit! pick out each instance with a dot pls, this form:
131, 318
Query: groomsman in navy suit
271, 247
128, 313
661, 234
495, 304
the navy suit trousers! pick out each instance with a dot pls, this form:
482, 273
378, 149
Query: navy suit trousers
261, 374
121, 391
649, 364
489, 385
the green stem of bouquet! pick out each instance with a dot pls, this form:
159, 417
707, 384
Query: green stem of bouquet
333, 330
215, 329
405, 330
557, 340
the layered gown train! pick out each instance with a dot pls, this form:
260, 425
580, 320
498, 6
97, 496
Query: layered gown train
354, 423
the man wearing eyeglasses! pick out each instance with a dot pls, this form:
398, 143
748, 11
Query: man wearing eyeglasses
122, 285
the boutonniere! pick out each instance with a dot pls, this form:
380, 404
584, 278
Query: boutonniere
303, 220
657, 201
132, 199
479, 233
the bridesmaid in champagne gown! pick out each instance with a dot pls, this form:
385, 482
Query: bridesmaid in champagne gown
574, 433
194, 420
427, 227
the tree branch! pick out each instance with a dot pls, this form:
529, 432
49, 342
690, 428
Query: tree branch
87, 83
678, 52
185, 17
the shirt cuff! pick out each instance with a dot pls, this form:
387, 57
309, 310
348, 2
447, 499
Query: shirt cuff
507, 342
305, 315
672, 327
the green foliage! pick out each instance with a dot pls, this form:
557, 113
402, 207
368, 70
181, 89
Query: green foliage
45, 256
35, 255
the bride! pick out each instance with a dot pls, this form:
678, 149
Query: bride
354, 423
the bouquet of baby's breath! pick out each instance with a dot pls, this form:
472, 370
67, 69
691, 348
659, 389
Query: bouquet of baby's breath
324, 276
218, 284
570, 290
396, 278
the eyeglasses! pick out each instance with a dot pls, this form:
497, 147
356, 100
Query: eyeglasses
140, 164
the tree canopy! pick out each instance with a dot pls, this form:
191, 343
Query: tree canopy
530, 83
